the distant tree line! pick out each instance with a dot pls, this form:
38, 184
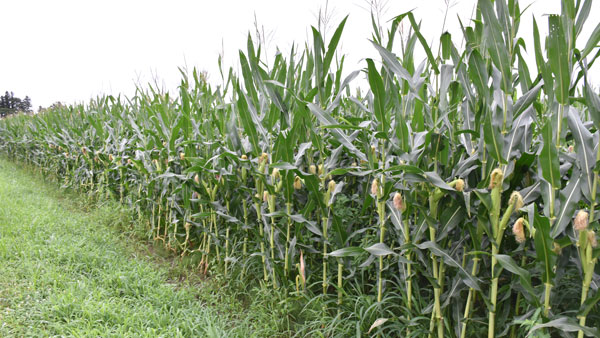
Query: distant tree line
10, 104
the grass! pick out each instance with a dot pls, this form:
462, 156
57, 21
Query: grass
70, 271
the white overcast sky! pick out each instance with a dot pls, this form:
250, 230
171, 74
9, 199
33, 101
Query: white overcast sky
73, 50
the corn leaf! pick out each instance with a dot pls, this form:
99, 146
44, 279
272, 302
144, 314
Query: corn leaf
543, 247
558, 58
524, 276
493, 139
548, 158
378, 109
586, 158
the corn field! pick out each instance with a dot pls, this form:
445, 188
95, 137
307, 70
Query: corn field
456, 197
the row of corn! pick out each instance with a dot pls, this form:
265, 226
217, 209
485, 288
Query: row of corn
456, 197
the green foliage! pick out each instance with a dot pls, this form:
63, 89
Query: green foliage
283, 174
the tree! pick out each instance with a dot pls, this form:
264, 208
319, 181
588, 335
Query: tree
9, 104
26, 104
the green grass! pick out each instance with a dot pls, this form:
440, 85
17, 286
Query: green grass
69, 271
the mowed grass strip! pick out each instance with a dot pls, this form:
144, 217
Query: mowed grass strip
66, 272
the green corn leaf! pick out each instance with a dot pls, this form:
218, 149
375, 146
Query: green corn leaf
391, 61
312, 183
376, 34
478, 73
408, 61
252, 54
593, 103
568, 9
565, 324
282, 149
339, 230
526, 100
281, 106
376, 83
396, 217
531, 193
495, 44
288, 184
516, 138
175, 132
319, 70
589, 304
435, 179
298, 218
592, 42
300, 151
558, 58
504, 18
255, 118
450, 219
542, 66
524, 276
351, 251
405, 168
379, 249
337, 190
325, 118
247, 74
543, 247
314, 229
548, 158
584, 13
333, 43
337, 100
417, 32
524, 76
586, 158
493, 139
402, 132
283, 166
233, 135
569, 197
469, 280
446, 44
247, 122
446, 77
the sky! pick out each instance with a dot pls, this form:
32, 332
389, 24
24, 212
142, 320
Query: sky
74, 50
